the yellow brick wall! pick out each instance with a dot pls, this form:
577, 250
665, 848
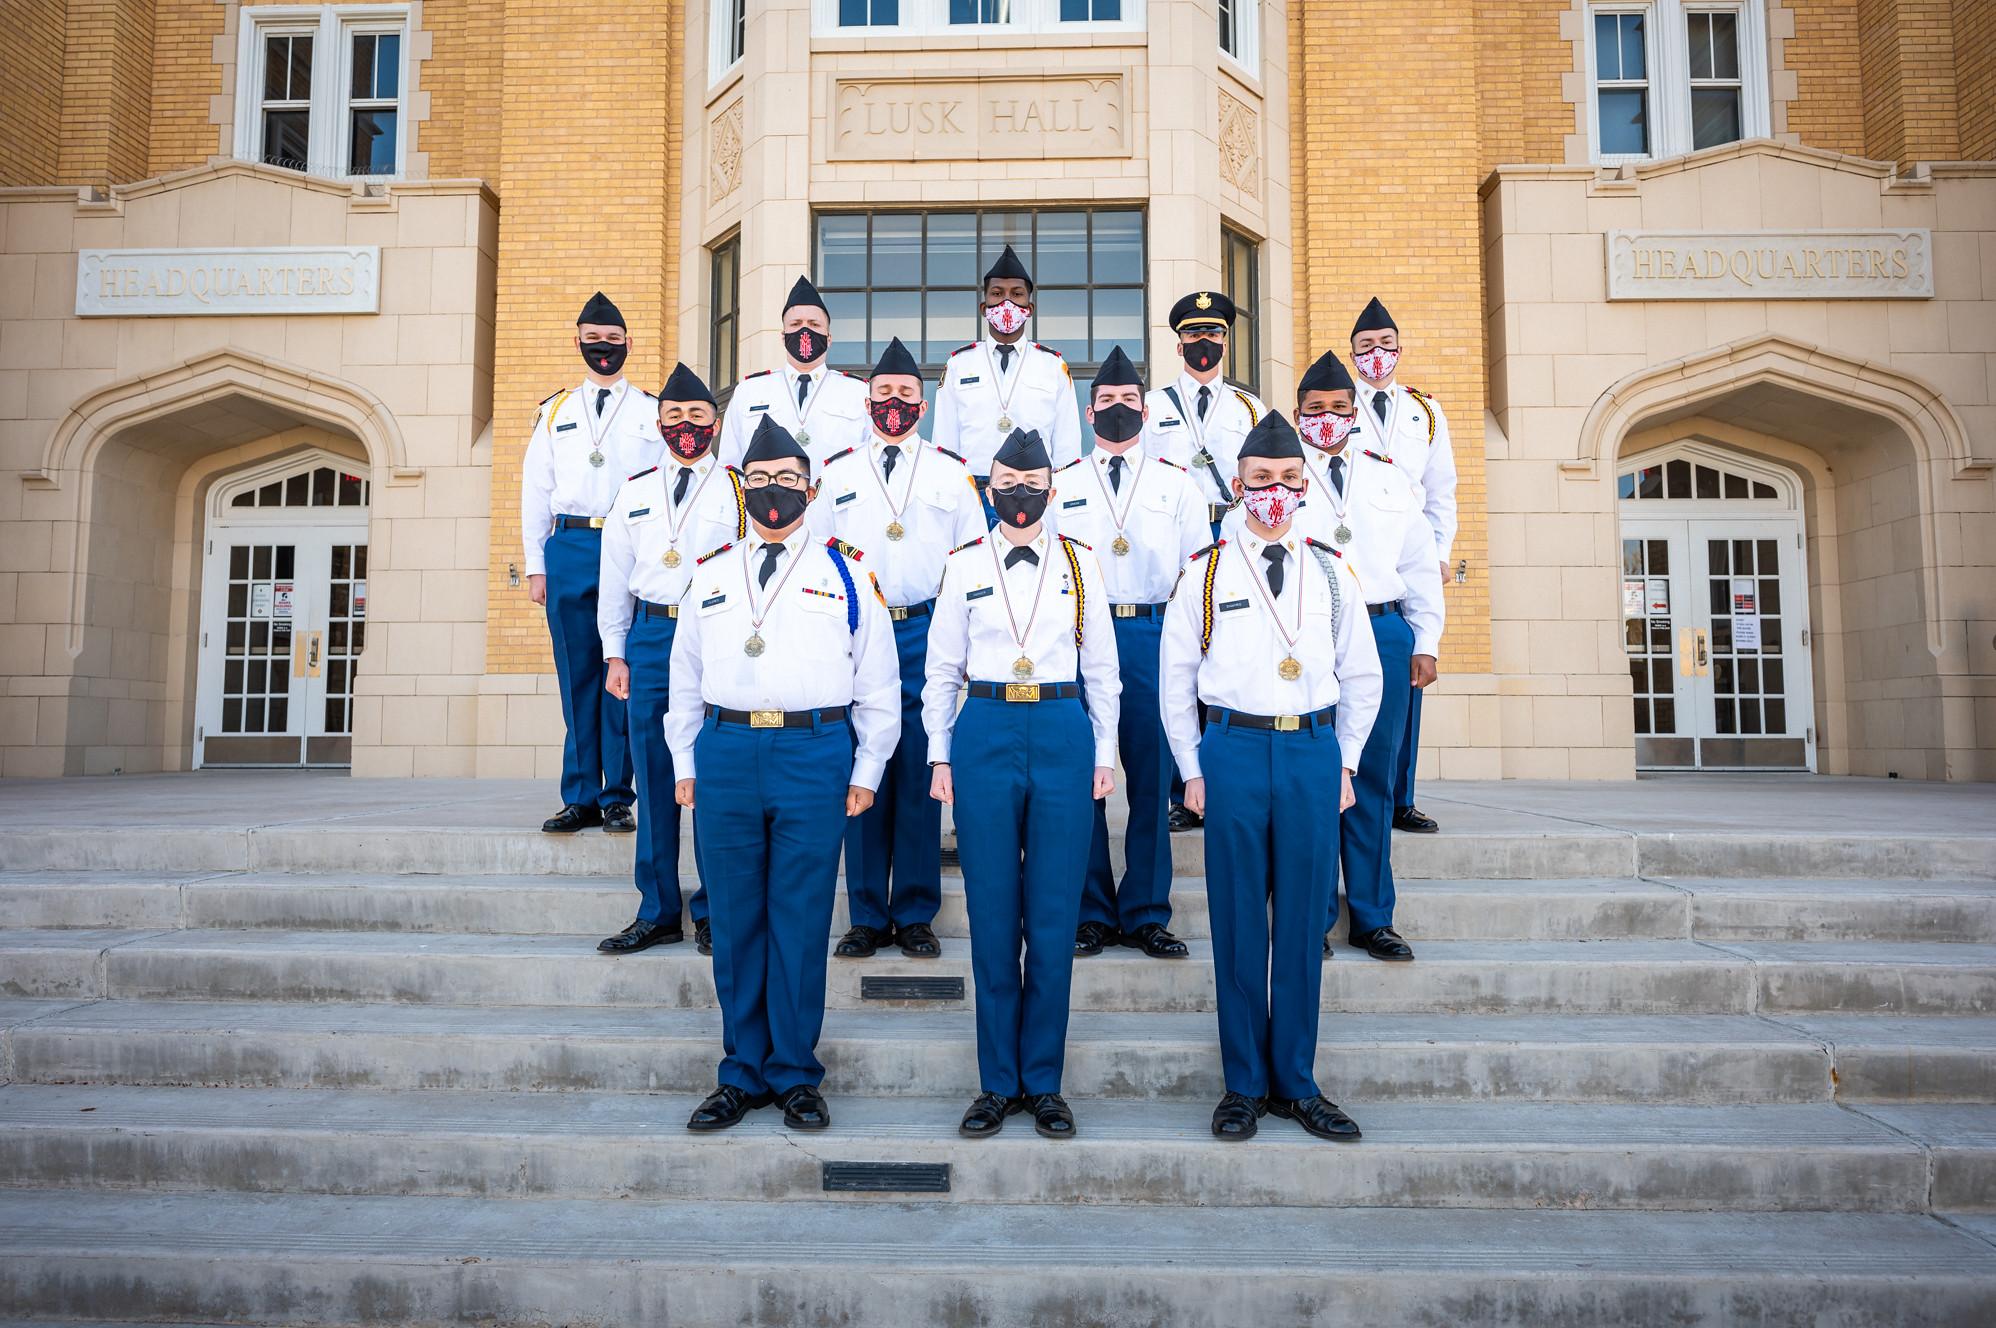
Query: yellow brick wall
1828, 111
1520, 59
31, 45
106, 92
463, 76
586, 167
185, 80
1975, 77
1906, 52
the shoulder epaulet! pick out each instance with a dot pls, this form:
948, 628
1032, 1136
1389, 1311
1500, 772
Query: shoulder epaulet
1253, 415
759, 373
641, 474
1420, 396
840, 546
843, 374
715, 554
968, 544
649, 396
1169, 462
1366, 451
552, 395
1210, 548
953, 456
834, 457
1049, 350
1316, 543
1069, 466
961, 349
1071, 540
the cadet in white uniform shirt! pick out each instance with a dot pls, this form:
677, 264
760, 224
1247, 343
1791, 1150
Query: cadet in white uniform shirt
664, 518
822, 408
1265, 631
586, 442
905, 504
1023, 626
1199, 421
1143, 517
1364, 508
1005, 383
1412, 431
783, 657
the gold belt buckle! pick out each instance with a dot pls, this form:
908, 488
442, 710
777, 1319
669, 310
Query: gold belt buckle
1123, 610
1287, 723
765, 719
898, 615
1022, 691
672, 610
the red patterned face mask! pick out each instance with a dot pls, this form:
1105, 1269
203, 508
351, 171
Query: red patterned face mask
1327, 431
894, 417
1272, 504
1005, 317
806, 345
1376, 363
688, 440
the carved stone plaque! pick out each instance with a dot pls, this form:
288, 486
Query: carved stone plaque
996, 117
1770, 265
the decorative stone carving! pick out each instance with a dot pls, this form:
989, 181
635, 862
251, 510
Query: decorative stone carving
1240, 144
126, 283
724, 150
998, 117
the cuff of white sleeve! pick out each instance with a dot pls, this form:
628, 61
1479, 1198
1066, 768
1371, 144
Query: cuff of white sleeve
682, 764
613, 648
1428, 644
866, 773
1188, 763
1351, 754
1105, 754
537, 567
939, 749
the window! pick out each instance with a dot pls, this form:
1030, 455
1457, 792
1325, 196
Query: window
915, 275
321, 89
321, 486
869, 13
1240, 283
1238, 37
1647, 640
980, 11
1675, 76
1090, 11
1013, 20
724, 349
1686, 479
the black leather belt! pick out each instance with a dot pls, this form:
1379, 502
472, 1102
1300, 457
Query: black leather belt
651, 610
1279, 723
1026, 691
1390, 606
780, 719
1136, 610
922, 610
578, 523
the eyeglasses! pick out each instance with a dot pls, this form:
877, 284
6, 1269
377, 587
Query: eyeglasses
786, 479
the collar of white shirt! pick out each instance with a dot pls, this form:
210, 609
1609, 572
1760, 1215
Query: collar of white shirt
1133, 457
1006, 363
1039, 545
590, 388
1188, 389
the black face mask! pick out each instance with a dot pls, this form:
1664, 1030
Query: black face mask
688, 440
604, 357
1021, 507
894, 417
1202, 354
1118, 423
806, 345
774, 506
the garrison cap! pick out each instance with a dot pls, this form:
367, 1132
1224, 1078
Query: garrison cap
772, 442
896, 360
807, 294
1202, 309
1328, 374
1117, 371
685, 385
1009, 266
1374, 319
1023, 450
599, 310
1272, 437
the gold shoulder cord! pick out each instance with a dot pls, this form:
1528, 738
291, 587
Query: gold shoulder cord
1253, 417
1206, 602
1074, 566
1428, 403
741, 504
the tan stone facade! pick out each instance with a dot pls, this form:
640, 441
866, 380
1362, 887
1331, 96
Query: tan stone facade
546, 151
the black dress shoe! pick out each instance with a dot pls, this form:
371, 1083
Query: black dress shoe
1329, 952
861, 942
1155, 941
1051, 1115
917, 941
703, 936
1090, 937
1415, 820
1318, 1115
1383, 943
804, 1109
987, 1115
617, 819
571, 818
1234, 1119
641, 935
726, 1106
1183, 819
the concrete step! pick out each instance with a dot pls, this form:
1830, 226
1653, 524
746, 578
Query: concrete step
260, 1258
1723, 910
1818, 1158
1488, 977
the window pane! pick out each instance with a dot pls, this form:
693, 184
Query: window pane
1625, 123
1625, 485
1678, 473
1736, 486
322, 487
886, 13
1227, 28
1722, 715
1649, 482
294, 490
1634, 65
1061, 322
952, 322
848, 314
1108, 11
286, 560
1777, 715
841, 251
1119, 248
373, 151
1715, 116
363, 66
897, 252
276, 68
301, 69
895, 314
1725, 46
1607, 46
1764, 490
999, 230
388, 65
1073, 11
952, 252
1698, 31
1708, 482
1666, 714
285, 138
1632, 555
1062, 257
852, 13
1659, 557
1642, 715
1119, 320
349, 491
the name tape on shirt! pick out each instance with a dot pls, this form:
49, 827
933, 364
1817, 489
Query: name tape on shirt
1074, 502
966, 382
563, 428
980, 594
642, 511
844, 498
1233, 604
722, 599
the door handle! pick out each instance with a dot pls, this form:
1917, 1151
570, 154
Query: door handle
1701, 657
312, 654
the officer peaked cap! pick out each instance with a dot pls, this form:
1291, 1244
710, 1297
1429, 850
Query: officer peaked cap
599, 310
1374, 319
1272, 437
1203, 309
1328, 374
772, 442
806, 294
896, 360
1117, 371
1008, 265
685, 385
1023, 451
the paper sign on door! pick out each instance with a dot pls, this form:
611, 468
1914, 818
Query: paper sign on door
1746, 630
260, 601
1632, 599
281, 601
360, 599
1743, 595
1659, 595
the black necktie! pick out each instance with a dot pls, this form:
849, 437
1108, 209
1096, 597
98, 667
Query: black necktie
1023, 552
770, 553
1337, 464
679, 489
803, 389
1115, 474
1205, 400
1275, 553
1379, 406
602, 395
888, 456
1004, 356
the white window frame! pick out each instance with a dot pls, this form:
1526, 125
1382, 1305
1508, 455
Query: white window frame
721, 55
1669, 67
333, 28
1247, 36
930, 18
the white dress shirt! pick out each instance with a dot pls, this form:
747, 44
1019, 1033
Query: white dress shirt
646, 530
1330, 637
1175, 431
833, 414
810, 659
985, 608
1157, 510
1429, 465
1031, 388
930, 496
557, 477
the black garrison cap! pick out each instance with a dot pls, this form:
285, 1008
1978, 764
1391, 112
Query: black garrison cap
1023, 451
896, 360
1117, 371
805, 293
1272, 437
1374, 319
1008, 265
599, 310
772, 442
1328, 374
685, 385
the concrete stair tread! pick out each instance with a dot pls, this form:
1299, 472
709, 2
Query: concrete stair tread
1939, 1124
